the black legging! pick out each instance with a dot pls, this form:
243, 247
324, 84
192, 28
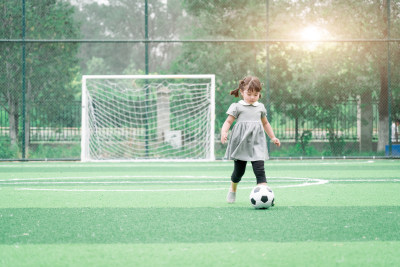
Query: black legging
240, 168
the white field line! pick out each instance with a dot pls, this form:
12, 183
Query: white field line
318, 182
307, 182
137, 182
138, 176
119, 190
222, 179
116, 176
42, 181
365, 180
113, 165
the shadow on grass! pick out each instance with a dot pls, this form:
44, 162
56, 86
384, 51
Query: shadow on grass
168, 225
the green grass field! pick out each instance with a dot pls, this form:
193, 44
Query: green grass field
327, 213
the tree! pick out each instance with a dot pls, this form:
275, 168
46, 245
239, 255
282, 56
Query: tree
50, 67
302, 79
371, 68
124, 20
10, 56
230, 20
371, 23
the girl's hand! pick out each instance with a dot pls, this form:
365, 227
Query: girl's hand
224, 137
276, 141
225, 128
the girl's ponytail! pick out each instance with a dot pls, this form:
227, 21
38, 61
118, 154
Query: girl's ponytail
235, 92
241, 87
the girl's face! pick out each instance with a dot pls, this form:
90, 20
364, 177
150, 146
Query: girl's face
250, 97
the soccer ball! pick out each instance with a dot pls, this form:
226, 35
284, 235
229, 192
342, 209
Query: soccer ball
262, 197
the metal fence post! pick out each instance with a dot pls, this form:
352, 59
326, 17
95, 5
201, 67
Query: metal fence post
268, 68
23, 79
388, 77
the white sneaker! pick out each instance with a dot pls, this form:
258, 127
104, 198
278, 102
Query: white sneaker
231, 197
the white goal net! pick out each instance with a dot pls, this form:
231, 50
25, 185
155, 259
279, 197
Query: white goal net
148, 117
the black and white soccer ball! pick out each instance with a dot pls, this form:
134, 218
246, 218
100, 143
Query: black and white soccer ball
262, 197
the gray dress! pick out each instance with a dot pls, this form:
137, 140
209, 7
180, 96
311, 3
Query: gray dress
247, 141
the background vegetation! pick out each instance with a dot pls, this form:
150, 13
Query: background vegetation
308, 78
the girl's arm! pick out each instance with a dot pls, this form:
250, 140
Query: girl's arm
225, 128
268, 129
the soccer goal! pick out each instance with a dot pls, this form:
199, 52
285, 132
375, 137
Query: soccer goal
148, 117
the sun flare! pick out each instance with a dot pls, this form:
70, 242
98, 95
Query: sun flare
312, 33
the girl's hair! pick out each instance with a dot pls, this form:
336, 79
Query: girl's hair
250, 83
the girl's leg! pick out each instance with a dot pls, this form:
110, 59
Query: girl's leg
238, 172
259, 171
233, 187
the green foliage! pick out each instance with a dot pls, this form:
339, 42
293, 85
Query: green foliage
305, 139
295, 151
50, 67
7, 150
336, 145
55, 151
124, 19
300, 148
306, 82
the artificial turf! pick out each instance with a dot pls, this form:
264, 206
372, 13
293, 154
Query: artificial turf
174, 214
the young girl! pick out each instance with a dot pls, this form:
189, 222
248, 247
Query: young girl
248, 141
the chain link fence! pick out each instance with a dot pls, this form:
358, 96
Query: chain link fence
330, 71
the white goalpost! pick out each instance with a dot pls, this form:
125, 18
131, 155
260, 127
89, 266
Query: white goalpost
148, 117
